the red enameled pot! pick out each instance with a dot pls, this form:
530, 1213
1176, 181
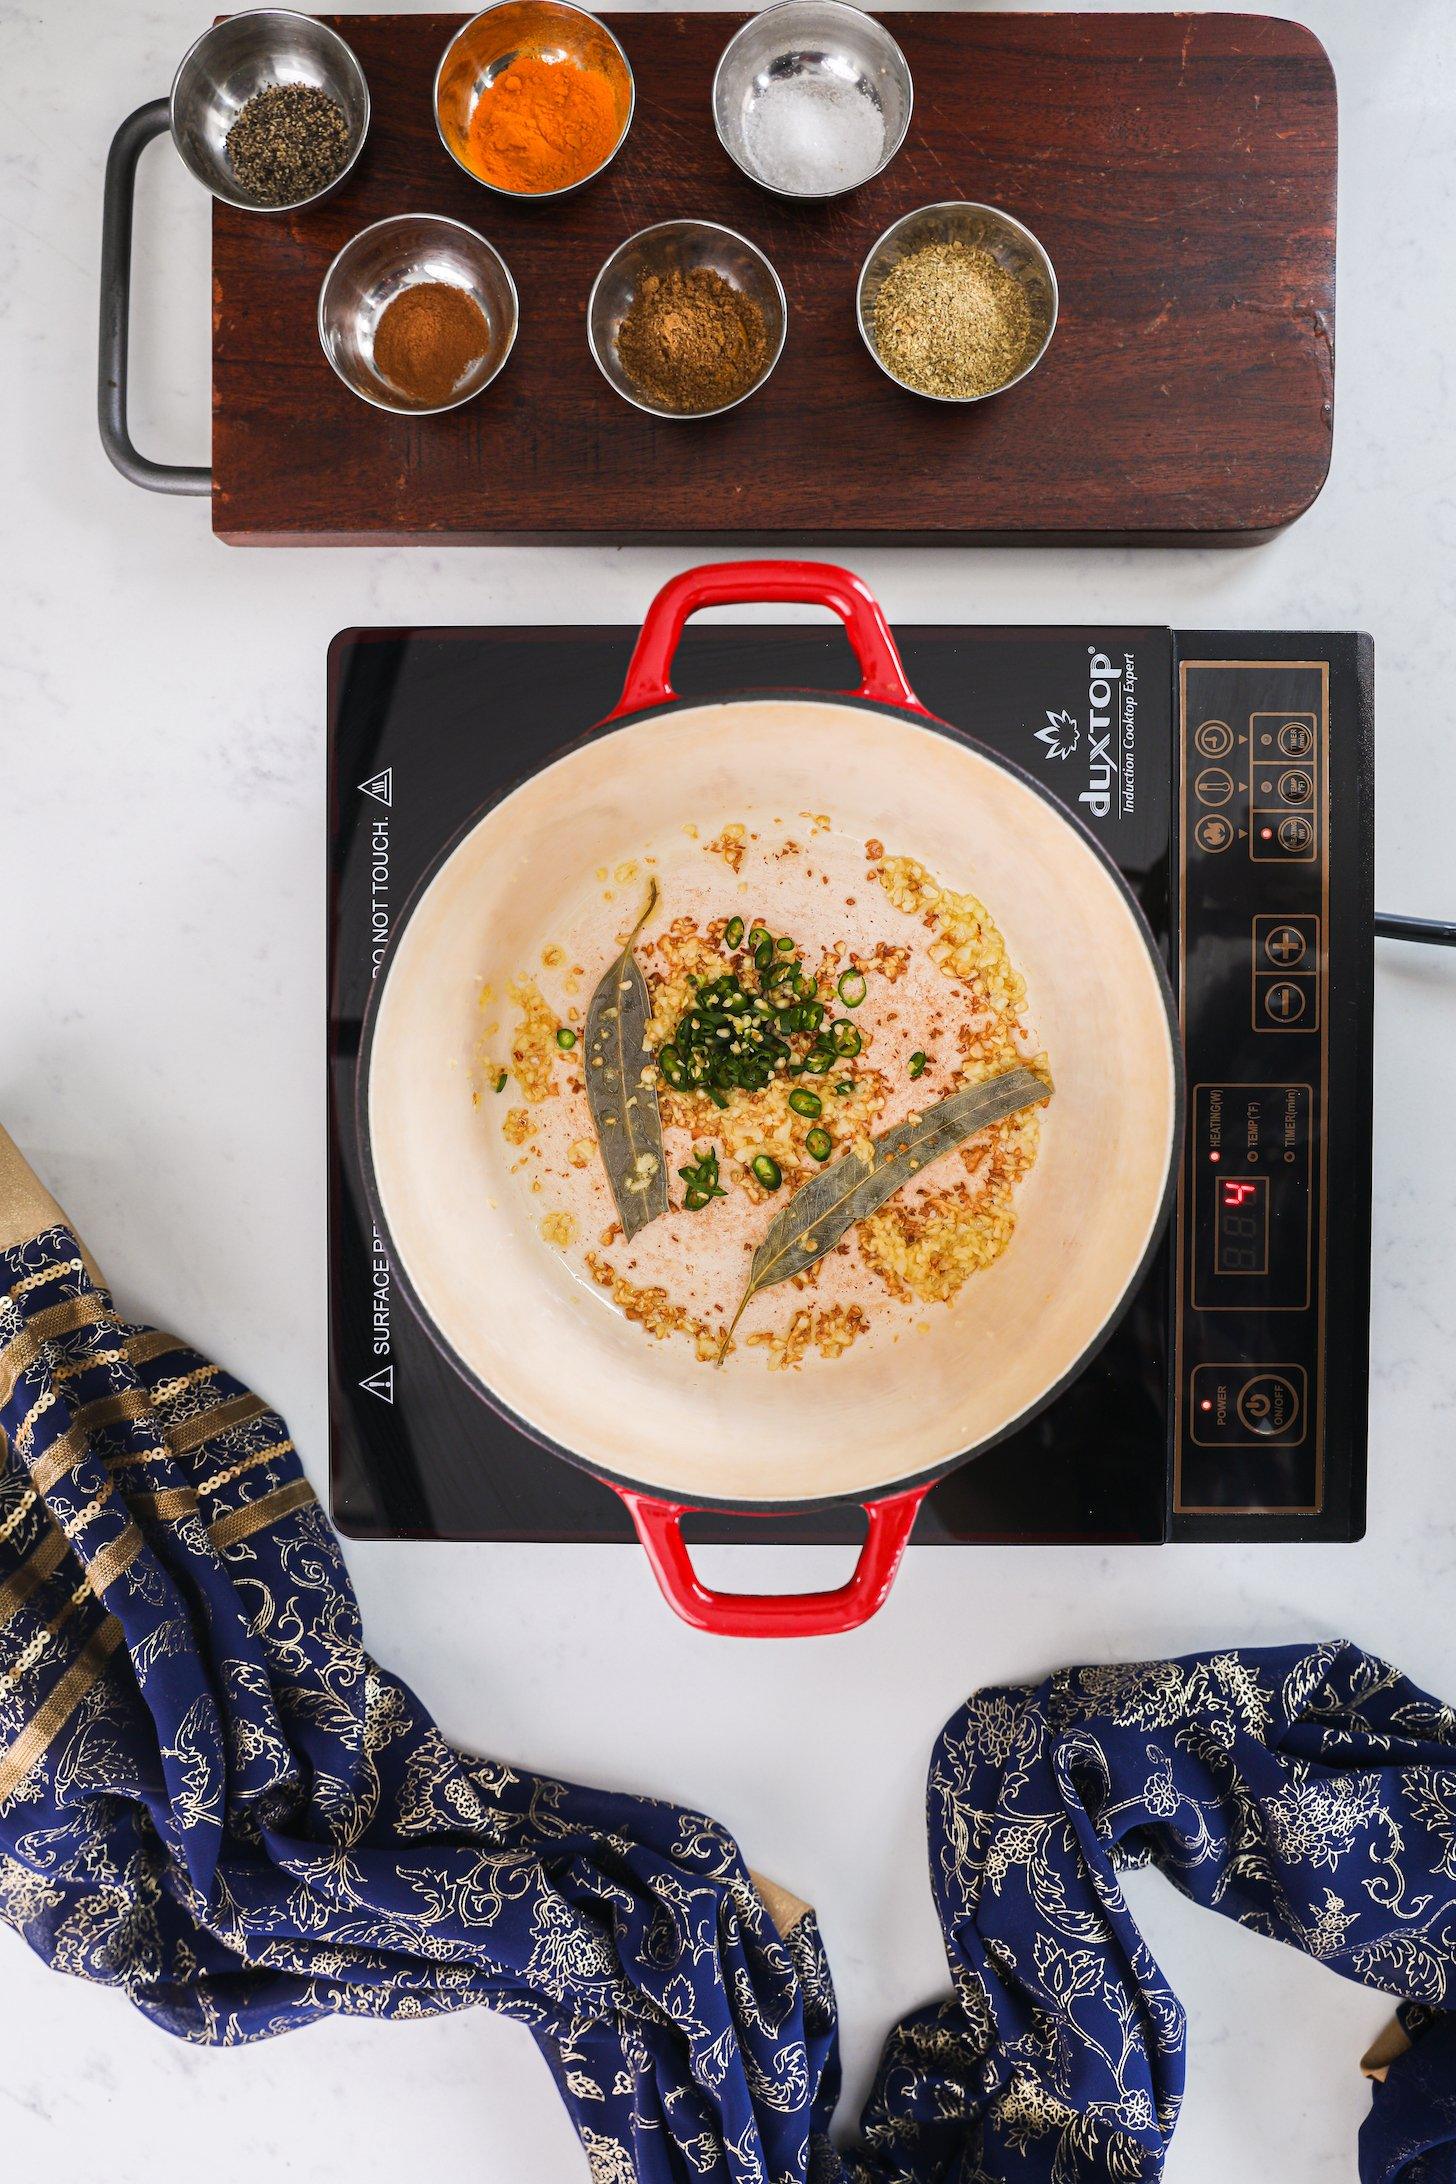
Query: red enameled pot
879, 1425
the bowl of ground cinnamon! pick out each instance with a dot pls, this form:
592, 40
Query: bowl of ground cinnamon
687, 319
417, 314
533, 98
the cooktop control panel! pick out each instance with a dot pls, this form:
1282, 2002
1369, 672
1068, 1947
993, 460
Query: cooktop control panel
1262, 1334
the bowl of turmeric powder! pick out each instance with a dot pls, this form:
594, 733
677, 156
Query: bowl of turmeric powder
533, 98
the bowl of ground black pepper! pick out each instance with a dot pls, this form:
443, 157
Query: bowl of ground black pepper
957, 302
417, 314
687, 319
269, 110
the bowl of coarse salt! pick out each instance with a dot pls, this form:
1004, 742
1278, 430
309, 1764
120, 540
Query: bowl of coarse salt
812, 98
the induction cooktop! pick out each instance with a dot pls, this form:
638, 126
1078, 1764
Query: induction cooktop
1230, 775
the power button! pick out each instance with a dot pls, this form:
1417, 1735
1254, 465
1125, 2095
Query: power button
1269, 1406
1248, 1406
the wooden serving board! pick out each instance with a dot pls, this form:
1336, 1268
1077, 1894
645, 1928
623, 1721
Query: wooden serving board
1180, 170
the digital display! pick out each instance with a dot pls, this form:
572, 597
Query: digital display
1241, 1225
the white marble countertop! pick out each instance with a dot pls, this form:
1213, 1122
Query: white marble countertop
162, 699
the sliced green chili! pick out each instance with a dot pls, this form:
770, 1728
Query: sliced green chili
806, 1103
500, 1081
820, 1144
852, 988
736, 1036
767, 1172
917, 1063
845, 1085
702, 1182
565, 1038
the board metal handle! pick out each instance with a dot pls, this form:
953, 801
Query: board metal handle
775, 1615
127, 146
745, 583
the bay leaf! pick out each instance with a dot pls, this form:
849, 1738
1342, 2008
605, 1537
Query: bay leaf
828, 1205
621, 1080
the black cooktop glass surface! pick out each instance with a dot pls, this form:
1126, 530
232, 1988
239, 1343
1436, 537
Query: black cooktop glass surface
426, 725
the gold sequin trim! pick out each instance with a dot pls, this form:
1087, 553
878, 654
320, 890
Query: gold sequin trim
42, 1275
172, 1501
220, 1479
25, 1431
192, 1433
151, 1343
63, 1455
66, 1695
167, 1391
18, 1514
114, 1410
32, 1574
243, 1522
66, 1318
114, 1560
35, 1739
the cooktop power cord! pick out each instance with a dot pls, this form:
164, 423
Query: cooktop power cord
1433, 932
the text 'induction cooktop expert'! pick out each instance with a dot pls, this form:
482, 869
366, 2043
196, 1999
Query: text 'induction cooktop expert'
1230, 777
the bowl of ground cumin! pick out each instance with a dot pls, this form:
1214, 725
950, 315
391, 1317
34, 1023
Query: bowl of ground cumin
957, 302
687, 319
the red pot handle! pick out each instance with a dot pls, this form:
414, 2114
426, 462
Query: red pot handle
744, 583
775, 1615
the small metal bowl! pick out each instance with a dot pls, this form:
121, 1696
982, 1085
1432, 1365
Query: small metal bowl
485, 48
817, 40
245, 54
371, 270
672, 246
980, 226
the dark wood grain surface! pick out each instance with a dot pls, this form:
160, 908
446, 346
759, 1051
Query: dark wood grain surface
1180, 169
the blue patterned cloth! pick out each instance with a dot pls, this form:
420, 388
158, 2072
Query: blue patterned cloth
212, 1798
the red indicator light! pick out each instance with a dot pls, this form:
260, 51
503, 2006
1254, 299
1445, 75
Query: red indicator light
1205, 1404
1213, 1156
1266, 834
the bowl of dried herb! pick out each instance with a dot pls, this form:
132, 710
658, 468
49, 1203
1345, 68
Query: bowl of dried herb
687, 319
269, 110
957, 302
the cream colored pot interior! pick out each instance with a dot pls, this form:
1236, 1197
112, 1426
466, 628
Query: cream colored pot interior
549, 1345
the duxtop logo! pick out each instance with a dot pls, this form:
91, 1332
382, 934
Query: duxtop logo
1061, 734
